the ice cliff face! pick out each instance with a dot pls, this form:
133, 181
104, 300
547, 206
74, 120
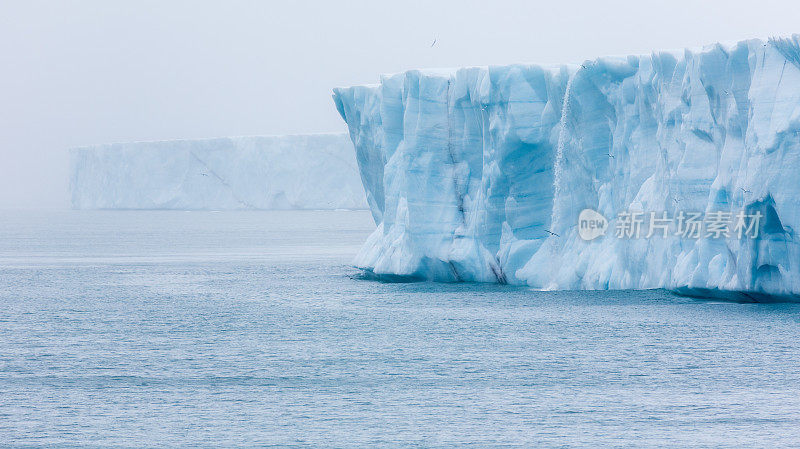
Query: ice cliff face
316, 171
480, 174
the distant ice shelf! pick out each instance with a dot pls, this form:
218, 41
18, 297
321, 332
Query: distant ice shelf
314, 171
480, 174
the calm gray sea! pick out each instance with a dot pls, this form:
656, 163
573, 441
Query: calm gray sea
123, 328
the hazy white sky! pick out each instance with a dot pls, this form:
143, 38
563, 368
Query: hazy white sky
83, 72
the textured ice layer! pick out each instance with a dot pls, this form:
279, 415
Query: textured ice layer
316, 171
480, 174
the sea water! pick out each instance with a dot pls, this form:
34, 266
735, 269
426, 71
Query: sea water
167, 328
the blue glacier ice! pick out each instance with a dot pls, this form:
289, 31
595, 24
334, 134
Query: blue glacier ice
311, 171
480, 174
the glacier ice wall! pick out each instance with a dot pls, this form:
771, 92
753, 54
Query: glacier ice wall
314, 171
479, 174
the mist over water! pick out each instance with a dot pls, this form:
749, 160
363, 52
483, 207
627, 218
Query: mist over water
94, 71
